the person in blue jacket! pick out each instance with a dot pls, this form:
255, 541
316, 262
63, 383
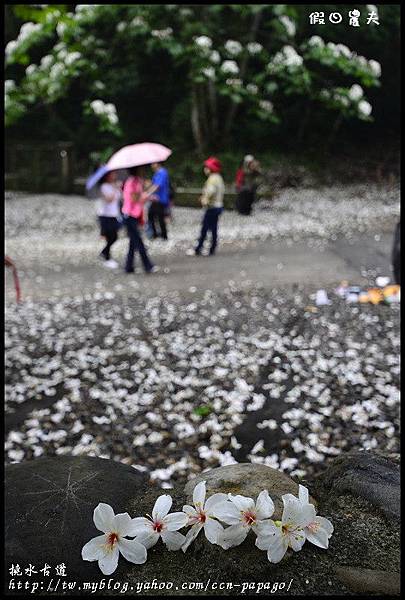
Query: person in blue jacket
160, 200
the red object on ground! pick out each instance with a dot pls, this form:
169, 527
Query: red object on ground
9, 263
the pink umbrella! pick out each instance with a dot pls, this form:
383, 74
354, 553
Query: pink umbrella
136, 155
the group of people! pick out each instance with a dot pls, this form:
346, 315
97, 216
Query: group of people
131, 204
140, 201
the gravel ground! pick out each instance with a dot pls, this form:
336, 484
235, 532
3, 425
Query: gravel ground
174, 381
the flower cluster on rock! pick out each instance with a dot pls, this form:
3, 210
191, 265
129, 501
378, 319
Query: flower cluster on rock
298, 524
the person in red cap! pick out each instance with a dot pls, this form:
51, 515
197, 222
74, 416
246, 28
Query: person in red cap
212, 199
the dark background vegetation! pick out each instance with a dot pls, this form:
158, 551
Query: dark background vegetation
154, 105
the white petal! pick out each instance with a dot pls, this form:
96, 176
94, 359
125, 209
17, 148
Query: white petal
213, 500
303, 494
162, 507
95, 548
109, 562
233, 536
264, 505
277, 548
296, 539
103, 517
122, 524
325, 524
173, 540
139, 525
191, 535
189, 510
264, 541
175, 521
148, 538
199, 494
266, 528
133, 551
226, 512
320, 534
296, 514
213, 530
318, 538
242, 502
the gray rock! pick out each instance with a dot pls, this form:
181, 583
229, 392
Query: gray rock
367, 475
49, 517
49, 509
248, 480
369, 581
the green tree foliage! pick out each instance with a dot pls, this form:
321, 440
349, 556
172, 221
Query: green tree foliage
191, 74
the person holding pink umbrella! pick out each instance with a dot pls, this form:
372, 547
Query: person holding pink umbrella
133, 210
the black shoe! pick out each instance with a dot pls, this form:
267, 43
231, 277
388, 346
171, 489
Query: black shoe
197, 252
212, 252
129, 270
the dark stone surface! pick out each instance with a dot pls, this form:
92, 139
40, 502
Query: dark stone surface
368, 475
49, 517
49, 510
369, 581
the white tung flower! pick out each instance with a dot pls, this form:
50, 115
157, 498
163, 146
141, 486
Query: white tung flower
234, 82
288, 24
60, 29
30, 70
277, 537
372, 9
9, 85
203, 41
254, 48
201, 516
161, 524
215, 57
355, 92
11, 47
267, 106
242, 514
209, 72
233, 47
97, 106
138, 22
344, 50
107, 547
365, 108
375, 67
252, 88
320, 529
72, 57
46, 61
316, 41
230, 66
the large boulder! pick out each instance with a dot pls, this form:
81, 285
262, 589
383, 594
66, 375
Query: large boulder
49, 517
49, 510
367, 475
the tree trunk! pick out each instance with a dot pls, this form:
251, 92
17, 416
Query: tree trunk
242, 73
335, 127
212, 96
195, 121
304, 122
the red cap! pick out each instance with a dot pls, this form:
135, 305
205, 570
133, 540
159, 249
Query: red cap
213, 164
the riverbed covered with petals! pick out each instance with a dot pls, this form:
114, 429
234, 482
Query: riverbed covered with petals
178, 383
